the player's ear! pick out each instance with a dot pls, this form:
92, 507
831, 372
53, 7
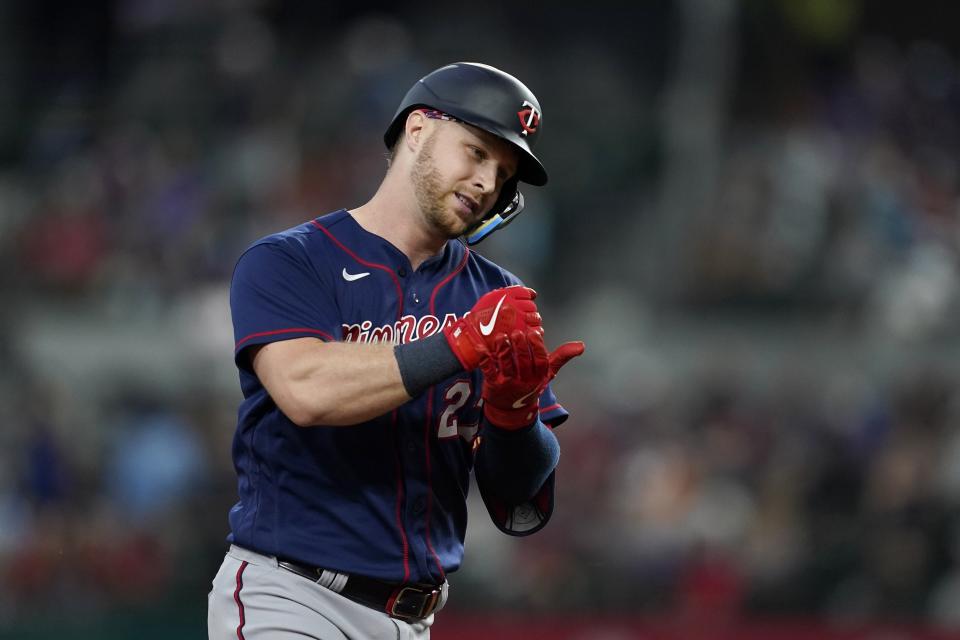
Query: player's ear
414, 129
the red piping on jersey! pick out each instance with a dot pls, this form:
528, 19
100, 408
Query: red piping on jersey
433, 296
372, 265
403, 534
236, 598
555, 405
427, 431
323, 334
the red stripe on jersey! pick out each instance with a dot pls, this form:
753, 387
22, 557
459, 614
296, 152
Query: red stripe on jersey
403, 534
372, 265
433, 296
236, 598
427, 432
323, 334
555, 405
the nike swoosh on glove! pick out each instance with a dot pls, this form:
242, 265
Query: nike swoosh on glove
499, 311
516, 373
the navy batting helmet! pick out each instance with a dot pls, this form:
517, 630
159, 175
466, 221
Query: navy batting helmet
494, 101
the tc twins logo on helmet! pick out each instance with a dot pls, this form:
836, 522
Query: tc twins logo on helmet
529, 118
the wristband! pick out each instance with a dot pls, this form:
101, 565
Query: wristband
425, 362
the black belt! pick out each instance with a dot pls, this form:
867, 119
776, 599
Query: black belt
407, 602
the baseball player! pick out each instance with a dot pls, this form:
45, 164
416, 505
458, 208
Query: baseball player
381, 360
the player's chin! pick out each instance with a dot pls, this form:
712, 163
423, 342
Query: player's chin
456, 229
448, 224
460, 220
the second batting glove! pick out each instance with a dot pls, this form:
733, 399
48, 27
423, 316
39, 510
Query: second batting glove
516, 373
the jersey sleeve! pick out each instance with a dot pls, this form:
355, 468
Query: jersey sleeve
276, 294
552, 412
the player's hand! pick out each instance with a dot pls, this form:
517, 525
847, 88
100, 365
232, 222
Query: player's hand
516, 373
499, 311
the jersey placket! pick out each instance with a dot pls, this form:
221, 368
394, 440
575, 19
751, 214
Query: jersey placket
416, 442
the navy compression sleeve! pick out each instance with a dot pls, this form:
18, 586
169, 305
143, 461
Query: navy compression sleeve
514, 464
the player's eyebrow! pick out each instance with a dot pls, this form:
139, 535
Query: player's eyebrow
487, 139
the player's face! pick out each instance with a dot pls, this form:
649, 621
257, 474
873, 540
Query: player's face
458, 174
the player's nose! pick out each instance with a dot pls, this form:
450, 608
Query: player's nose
485, 178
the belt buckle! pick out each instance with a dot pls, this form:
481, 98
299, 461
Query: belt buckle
416, 608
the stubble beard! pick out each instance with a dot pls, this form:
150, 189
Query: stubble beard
431, 196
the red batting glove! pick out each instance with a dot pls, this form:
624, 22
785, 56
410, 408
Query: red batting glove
516, 373
499, 311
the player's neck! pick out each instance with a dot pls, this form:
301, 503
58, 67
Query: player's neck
393, 214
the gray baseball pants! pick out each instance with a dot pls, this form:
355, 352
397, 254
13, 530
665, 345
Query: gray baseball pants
254, 599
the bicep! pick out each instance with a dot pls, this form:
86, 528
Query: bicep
281, 365
276, 363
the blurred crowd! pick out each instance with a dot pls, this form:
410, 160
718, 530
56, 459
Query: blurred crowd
769, 427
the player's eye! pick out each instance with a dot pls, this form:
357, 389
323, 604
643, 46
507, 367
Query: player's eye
477, 153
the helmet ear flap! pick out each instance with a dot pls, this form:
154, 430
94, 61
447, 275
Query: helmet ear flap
505, 211
513, 208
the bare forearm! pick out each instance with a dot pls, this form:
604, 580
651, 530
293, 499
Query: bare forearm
335, 383
340, 384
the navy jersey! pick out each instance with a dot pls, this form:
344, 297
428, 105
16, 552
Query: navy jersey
385, 498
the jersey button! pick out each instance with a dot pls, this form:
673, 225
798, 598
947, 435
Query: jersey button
419, 505
402, 272
416, 298
411, 447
